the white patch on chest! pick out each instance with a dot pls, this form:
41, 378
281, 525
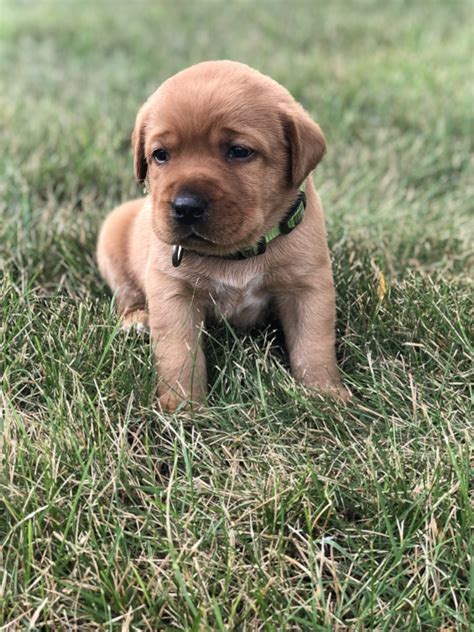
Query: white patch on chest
242, 304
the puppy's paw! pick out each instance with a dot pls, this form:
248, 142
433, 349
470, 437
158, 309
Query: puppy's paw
342, 393
170, 402
336, 391
137, 320
332, 387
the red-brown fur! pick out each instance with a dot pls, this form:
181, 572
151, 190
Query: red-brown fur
195, 115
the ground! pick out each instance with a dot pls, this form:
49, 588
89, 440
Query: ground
271, 508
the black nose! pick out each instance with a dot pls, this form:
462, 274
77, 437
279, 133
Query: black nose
188, 208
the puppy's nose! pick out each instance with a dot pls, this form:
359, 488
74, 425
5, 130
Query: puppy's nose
188, 208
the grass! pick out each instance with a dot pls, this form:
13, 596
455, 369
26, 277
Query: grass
270, 509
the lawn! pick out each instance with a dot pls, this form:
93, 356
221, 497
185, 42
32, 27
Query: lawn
270, 509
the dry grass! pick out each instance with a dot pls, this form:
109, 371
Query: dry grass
270, 509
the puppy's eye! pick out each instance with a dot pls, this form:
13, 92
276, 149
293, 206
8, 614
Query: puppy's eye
237, 152
160, 156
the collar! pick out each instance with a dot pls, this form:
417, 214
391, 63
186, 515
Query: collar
288, 223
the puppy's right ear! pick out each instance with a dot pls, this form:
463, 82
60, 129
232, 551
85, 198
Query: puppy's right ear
138, 145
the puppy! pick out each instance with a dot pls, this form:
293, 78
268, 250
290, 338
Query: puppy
231, 227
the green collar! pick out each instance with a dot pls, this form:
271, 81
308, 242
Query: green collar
288, 223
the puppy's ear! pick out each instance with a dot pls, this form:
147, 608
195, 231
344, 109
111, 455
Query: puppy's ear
306, 143
138, 145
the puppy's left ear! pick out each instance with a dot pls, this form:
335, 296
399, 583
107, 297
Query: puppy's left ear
138, 145
306, 143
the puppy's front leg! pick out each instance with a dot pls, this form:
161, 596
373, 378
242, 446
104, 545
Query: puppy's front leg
308, 320
176, 326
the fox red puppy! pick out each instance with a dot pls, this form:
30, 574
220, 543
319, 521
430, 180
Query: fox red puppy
232, 226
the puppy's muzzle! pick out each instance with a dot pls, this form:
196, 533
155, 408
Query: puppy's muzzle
188, 209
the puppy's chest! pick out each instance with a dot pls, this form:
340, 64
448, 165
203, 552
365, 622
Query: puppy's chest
243, 303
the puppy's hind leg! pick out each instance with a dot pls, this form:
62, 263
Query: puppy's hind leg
114, 265
136, 319
130, 301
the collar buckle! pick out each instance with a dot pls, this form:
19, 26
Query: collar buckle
177, 255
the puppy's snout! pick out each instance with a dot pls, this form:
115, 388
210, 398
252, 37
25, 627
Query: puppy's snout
188, 208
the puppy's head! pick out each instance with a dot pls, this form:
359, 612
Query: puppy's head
224, 150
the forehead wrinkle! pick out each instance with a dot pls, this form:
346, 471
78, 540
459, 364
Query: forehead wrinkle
215, 132
246, 133
166, 136
198, 123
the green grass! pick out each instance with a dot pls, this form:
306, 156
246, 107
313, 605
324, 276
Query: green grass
270, 509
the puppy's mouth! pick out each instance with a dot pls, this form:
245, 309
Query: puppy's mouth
194, 239
195, 236
196, 242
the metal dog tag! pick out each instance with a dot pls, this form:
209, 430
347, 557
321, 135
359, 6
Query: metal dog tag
177, 255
